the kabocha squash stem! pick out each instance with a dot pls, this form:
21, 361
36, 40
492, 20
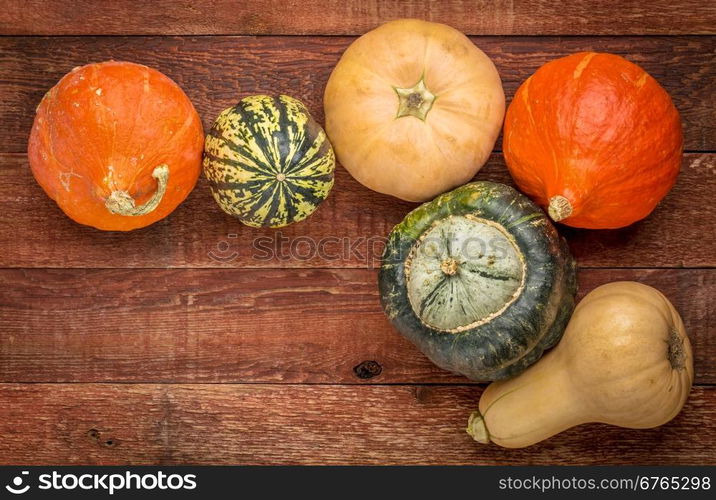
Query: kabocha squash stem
624, 360
122, 203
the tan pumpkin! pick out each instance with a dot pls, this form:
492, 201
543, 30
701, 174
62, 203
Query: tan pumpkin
624, 360
413, 109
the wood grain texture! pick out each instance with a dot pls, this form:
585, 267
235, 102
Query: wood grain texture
279, 326
350, 17
347, 231
233, 357
299, 424
216, 71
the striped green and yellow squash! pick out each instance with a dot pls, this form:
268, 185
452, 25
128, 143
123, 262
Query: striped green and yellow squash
268, 162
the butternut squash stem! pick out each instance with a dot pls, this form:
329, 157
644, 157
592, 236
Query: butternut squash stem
477, 429
559, 208
676, 354
122, 203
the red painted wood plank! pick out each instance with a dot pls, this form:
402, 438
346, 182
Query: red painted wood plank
281, 325
216, 71
288, 424
350, 17
348, 230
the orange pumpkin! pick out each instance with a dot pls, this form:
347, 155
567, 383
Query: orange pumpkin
594, 139
117, 145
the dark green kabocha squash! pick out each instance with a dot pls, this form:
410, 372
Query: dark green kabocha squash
268, 162
479, 280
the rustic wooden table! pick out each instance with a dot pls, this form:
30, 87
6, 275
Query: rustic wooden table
179, 344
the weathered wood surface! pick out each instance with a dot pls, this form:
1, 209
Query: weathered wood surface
309, 424
108, 358
281, 325
350, 17
348, 230
216, 71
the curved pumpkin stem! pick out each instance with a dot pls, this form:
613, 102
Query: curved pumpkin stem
122, 203
559, 208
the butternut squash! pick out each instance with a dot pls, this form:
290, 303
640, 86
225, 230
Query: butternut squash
624, 360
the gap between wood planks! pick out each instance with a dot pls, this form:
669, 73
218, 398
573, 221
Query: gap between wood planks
281, 384
357, 268
496, 151
475, 36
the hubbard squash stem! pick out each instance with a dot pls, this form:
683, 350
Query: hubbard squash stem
559, 208
122, 203
477, 429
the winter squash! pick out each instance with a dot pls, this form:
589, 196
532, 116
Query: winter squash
594, 139
413, 109
624, 360
117, 145
479, 280
268, 162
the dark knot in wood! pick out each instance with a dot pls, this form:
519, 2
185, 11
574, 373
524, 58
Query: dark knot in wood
367, 369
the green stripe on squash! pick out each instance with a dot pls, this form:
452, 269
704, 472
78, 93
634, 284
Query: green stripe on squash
268, 162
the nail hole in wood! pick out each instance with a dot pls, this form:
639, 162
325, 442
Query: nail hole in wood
111, 443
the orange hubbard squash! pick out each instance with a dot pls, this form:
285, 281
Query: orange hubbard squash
117, 145
594, 139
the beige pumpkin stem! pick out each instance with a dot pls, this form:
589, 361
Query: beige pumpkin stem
122, 203
415, 101
559, 208
477, 429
